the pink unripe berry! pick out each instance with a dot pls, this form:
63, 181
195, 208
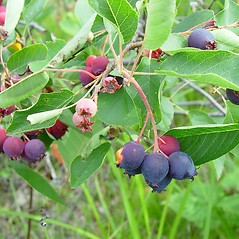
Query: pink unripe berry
3, 9
76, 118
89, 60
2, 18
86, 107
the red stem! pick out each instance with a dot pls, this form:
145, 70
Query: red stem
146, 103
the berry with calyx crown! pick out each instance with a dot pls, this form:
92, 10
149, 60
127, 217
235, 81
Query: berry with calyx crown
34, 150
202, 39
130, 156
86, 106
154, 168
181, 166
161, 185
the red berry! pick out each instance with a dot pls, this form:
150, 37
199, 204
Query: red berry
3, 137
58, 129
89, 59
99, 64
168, 144
3, 9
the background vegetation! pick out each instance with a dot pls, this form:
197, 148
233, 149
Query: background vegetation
109, 204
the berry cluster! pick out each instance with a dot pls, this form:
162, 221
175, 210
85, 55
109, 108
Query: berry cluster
95, 65
30, 150
158, 168
85, 109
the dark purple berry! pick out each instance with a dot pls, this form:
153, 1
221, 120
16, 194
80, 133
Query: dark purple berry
6, 111
99, 64
181, 166
13, 147
161, 185
233, 96
3, 137
133, 172
154, 168
130, 156
58, 129
202, 39
84, 77
168, 144
34, 150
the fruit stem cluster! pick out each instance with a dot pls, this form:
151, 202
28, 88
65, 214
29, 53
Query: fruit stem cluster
146, 103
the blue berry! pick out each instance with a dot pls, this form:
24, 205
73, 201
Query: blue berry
202, 39
161, 184
130, 156
154, 168
181, 166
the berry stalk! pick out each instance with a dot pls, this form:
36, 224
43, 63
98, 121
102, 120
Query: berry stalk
146, 103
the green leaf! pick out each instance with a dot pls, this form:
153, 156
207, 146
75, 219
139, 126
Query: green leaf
33, 9
36, 181
226, 38
232, 115
120, 14
161, 15
53, 48
207, 142
167, 113
46, 101
174, 43
198, 117
193, 20
82, 169
229, 14
150, 85
23, 89
70, 148
83, 16
39, 118
117, 109
13, 13
22, 58
213, 67
74, 45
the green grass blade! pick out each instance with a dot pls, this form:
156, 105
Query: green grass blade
90, 200
127, 205
176, 222
164, 212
